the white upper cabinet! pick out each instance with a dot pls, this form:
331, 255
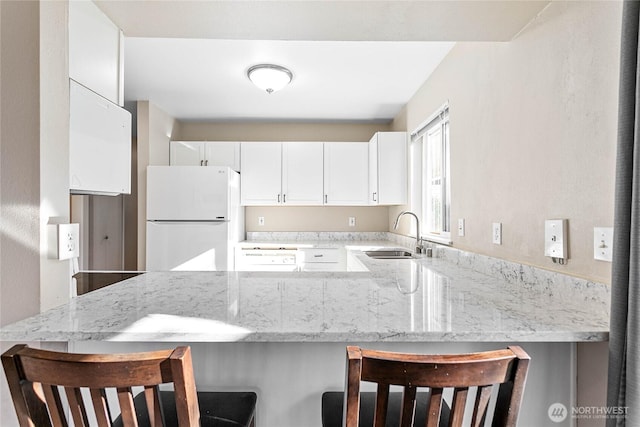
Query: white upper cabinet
201, 153
388, 168
261, 177
275, 173
99, 144
346, 168
302, 173
96, 51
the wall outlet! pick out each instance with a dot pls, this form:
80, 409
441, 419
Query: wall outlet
603, 243
260, 220
352, 221
68, 241
555, 238
461, 227
496, 234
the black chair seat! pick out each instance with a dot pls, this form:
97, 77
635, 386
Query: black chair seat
333, 401
217, 409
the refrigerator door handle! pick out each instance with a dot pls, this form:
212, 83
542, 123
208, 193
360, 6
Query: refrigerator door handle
168, 222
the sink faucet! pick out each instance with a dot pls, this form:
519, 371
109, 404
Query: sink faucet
419, 248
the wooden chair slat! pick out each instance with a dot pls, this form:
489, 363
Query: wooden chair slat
101, 407
457, 407
408, 408
152, 397
483, 395
382, 405
76, 406
54, 403
435, 407
127, 409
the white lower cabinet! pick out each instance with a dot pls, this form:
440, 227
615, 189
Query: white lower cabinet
346, 168
321, 259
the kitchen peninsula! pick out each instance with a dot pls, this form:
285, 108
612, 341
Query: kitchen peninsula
283, 333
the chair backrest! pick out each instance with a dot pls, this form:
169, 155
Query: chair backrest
463, 373
36, 378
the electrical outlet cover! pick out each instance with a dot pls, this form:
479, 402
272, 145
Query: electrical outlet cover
497, 233
68, 241
603, 243
555, 238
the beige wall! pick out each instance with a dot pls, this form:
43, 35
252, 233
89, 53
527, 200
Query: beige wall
533, 132
34, 194
277, 218
154, 129
19, 161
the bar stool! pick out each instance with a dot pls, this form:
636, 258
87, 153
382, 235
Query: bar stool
469, 375
36, 379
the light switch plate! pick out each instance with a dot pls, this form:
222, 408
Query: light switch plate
68, 241
555, 238
461, 227
352, 221
603, 243
497, 233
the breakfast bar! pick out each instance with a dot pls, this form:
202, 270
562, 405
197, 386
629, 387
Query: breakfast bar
283, 334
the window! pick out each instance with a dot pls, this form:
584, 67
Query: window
430, 170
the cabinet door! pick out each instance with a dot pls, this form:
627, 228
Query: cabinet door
346, 169
392, 168
302, 173
373, 171
260, 180
388, 168
95, 51
222, 154
186, 153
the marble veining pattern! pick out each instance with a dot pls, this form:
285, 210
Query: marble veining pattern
445, 298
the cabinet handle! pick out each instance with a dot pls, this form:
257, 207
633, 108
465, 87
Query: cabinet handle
325, 199
201, 162
318, 256
206, 162
278, 198
374, 197
284, 198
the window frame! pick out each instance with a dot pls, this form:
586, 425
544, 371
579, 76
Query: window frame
421, 173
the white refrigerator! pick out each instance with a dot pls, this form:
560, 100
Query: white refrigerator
194, 218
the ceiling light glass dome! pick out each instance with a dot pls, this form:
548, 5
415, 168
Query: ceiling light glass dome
269, 77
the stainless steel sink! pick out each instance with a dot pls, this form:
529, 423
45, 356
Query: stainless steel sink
389, 254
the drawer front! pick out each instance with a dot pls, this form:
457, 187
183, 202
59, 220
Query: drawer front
319, 255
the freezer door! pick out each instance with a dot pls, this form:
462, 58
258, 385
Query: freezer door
191, 193
188, 246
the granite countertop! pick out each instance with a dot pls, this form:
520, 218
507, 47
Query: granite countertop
444, 298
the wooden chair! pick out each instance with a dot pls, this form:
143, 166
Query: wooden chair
36, 378
465, 374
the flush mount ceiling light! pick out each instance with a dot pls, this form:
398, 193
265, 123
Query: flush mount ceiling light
269, 77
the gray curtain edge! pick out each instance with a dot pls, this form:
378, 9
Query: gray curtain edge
624, 379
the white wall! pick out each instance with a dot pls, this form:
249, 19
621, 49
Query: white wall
55, 275
154, 129
533, 133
